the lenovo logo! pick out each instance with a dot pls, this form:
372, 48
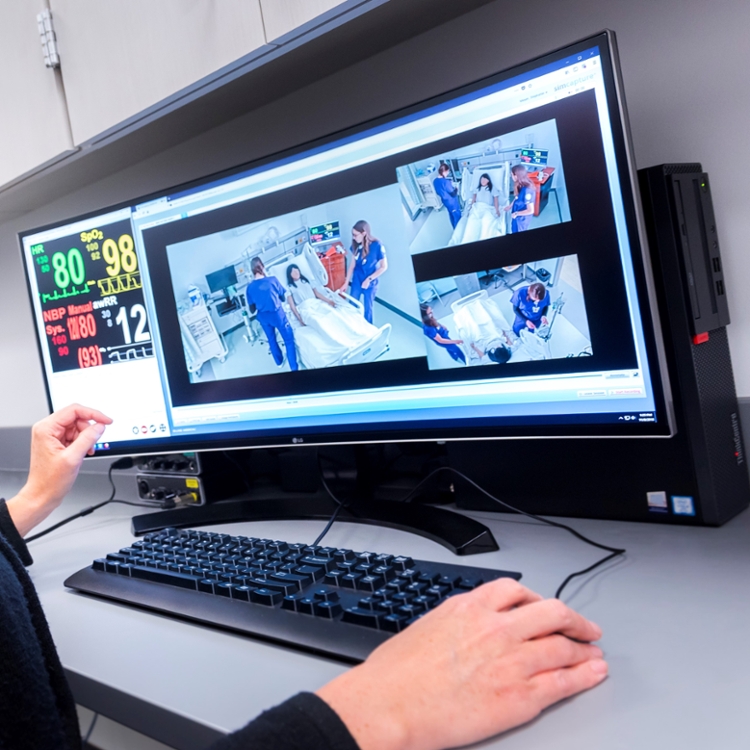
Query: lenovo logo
739, 453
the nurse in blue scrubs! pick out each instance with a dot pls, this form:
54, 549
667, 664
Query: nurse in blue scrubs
522, 208
440, 334
530, 304
448, 193
367, 264
268, 295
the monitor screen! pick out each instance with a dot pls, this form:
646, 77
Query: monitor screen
219, 280
325, 233
534, 157
469, 296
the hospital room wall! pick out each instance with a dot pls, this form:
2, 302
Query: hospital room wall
384, 211
545, 135
192, 260
684, 68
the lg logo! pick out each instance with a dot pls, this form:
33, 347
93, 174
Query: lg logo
297, 440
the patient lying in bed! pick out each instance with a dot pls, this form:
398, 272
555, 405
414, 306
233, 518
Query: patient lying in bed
484, 328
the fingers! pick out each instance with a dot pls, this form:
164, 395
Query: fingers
551, 687
75, 412
556, 652
503, 594
85, 441
552, 616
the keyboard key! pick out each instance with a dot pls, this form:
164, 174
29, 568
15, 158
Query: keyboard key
283, 577
206, 585
393, 623
370, 583
428, 602
349, 581
242, 592
334, 577
305, 605
386, 571
402, 563
164, 576
266, 596
224, 589
100, 564
314, 572
344, 555
329, 610
290, 602
358, 616
326, 563
325, 595
469, 583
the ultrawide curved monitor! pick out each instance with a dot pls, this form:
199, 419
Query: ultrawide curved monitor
471, 267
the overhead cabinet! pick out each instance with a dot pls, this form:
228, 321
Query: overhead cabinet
120, 59
34, 125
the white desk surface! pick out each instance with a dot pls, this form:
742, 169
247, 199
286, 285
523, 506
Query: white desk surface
675, 615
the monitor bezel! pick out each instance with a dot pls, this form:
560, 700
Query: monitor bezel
357, 434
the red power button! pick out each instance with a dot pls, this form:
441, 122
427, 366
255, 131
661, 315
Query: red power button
700, 338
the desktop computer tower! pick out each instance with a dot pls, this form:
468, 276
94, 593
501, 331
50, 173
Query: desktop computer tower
698, 476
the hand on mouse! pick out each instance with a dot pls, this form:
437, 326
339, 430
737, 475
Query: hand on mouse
479, 664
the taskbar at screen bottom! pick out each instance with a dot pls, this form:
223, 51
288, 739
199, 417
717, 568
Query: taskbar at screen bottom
612, 425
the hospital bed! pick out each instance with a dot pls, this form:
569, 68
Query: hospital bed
479, 320
332, 336
478, 221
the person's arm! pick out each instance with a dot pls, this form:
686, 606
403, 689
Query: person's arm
380, 269
349, 274
323, 298
479, 352
294, 309
442, 340
59, 444
479, 664
497, 206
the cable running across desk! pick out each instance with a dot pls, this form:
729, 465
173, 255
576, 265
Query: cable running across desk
614, 551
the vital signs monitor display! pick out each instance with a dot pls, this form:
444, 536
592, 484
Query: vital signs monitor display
467, 268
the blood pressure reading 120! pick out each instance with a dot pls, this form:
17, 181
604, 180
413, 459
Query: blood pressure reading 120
91, 297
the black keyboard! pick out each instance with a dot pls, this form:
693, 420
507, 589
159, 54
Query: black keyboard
326, 600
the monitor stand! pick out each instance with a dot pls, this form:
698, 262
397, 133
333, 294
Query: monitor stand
303, 498
461, 535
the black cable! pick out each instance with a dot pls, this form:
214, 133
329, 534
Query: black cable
339, 506
91, 729
614, 551
122, 463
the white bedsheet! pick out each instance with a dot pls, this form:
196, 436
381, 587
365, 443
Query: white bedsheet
479, 223
329, 332
481, 323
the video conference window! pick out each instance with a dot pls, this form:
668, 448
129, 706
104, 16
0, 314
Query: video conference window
276, 296
518, 313
511, 183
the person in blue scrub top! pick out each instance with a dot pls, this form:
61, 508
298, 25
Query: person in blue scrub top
367, 264
448, 193
522, 207
267, 295
440, 334
530, 304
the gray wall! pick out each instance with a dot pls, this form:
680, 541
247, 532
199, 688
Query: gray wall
685, 66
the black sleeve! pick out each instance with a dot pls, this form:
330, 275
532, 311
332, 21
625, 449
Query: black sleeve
304, 722
544, 310
10, 532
